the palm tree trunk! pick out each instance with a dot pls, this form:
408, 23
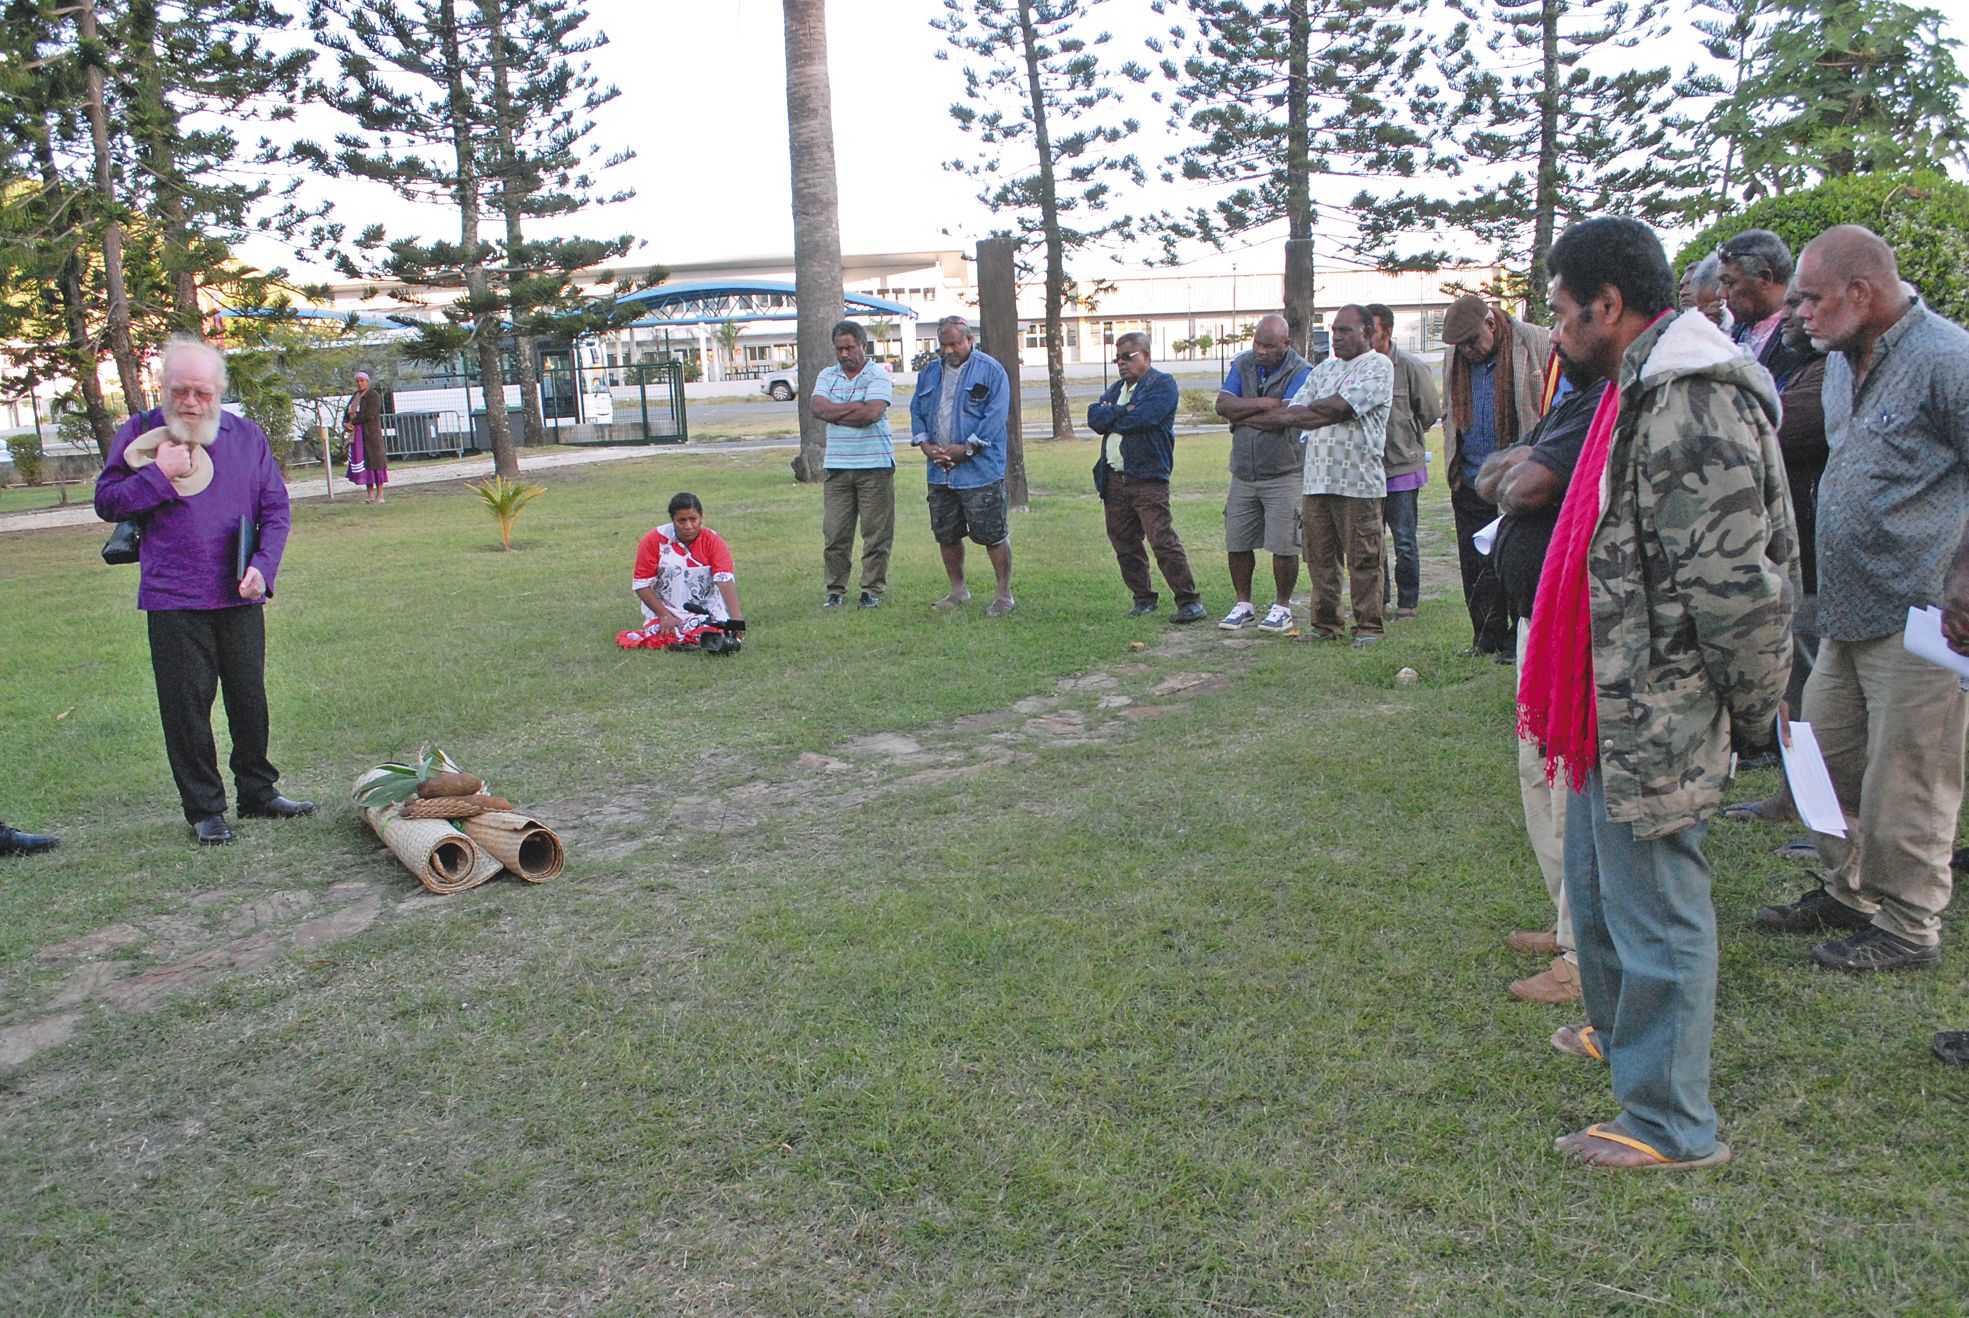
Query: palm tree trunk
816, 213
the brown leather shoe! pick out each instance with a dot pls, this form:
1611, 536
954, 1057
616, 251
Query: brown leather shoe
1533, 942
1558, 982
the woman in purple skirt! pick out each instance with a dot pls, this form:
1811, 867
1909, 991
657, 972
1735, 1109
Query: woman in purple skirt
369, 464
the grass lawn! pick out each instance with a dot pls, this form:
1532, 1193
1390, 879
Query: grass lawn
904, 964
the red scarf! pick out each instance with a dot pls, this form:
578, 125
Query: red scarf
1556, 703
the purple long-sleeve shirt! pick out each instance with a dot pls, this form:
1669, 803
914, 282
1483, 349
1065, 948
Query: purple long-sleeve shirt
187, 547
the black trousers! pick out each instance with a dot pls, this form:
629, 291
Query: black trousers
194, 654
1491, 631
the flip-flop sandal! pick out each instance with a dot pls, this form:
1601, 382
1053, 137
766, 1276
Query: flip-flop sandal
1747, 811
1579, 1041
1952, 1046
1662, 1162
1799, 848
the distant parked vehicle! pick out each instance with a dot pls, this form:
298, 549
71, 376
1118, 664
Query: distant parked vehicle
782, 384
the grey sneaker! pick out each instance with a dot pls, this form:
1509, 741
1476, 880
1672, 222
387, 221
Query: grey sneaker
1241, 615
1366, 642
1277, 619
1873, 948
868, 601
833, 602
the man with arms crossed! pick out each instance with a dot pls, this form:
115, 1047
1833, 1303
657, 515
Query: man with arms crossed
1262, 509
1344, 406
852, 397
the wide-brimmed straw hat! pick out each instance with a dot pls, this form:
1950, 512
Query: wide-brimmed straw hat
143, 451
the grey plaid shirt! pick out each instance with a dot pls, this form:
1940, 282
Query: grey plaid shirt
1896, 487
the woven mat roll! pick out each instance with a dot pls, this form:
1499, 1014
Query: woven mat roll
443, 859
525, 846
453, 807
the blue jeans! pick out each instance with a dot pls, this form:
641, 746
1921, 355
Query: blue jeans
1398, 511
1646, 932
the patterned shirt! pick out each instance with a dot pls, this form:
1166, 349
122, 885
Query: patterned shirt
1346, 458
856, 448
1896, 484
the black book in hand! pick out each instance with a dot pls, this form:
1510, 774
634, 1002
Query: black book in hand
245, 544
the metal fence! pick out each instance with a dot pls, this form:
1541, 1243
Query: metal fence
443, 413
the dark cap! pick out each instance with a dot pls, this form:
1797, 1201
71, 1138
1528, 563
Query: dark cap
1465, 319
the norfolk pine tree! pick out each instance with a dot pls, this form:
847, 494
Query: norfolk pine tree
412, 78
1276, 94
1040, 82
1577, 142
537, 161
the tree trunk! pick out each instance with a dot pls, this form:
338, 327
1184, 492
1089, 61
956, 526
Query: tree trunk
998, 309
1049, 222
1544, 215
816, 214
486, 326
79, 349
1300, 308
511, 190
117, 328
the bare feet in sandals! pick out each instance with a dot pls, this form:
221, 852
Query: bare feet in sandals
1611, 1150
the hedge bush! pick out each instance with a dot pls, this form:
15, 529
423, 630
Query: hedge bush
1923, 216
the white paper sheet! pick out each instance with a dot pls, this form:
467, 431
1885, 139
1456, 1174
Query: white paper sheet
1485, 538
1811, 785
1923, 640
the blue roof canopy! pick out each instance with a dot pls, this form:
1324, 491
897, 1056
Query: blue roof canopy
713, 302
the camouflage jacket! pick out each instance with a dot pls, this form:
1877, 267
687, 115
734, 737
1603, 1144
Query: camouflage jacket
1693, 574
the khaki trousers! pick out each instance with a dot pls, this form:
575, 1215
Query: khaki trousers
1341, 532
1891, 727
1545, 818
867, 495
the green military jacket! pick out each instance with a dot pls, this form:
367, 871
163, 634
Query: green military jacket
1693, 571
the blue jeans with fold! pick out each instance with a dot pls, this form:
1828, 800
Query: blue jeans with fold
1398, 510
1646, 932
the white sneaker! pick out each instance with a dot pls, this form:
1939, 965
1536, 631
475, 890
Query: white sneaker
1239, 616
1278, 618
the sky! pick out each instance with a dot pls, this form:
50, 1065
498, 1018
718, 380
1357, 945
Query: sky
703, 105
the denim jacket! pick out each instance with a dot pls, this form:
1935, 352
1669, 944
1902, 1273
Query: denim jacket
1146, 425
984, 401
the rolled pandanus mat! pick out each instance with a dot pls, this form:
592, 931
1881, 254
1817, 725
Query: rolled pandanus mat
525, 846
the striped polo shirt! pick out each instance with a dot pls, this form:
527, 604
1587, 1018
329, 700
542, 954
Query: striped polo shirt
854, 448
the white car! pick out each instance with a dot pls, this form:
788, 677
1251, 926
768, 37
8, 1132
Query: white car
782, 384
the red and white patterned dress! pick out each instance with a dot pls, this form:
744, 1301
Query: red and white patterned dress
684, 575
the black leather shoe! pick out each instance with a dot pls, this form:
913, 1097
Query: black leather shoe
213, 831
278, 808
13, 842
1817, 910
1192, 612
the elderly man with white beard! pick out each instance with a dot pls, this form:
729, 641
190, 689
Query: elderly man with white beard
198, 478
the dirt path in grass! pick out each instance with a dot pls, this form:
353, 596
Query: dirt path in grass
219, 934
